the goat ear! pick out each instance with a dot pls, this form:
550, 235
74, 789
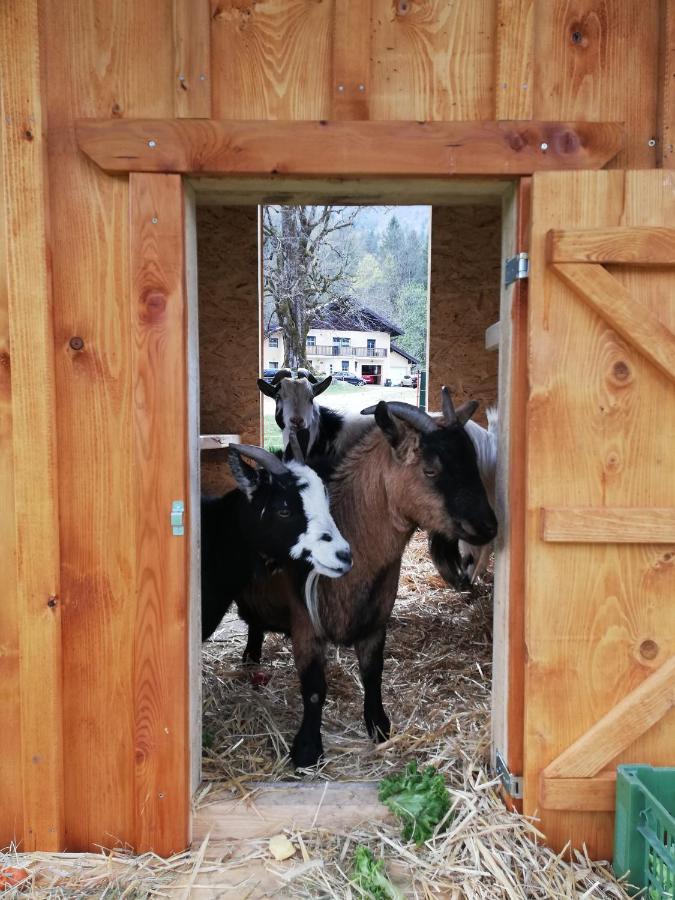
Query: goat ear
466, 410
387, 423
321, 386
245, 476
268, 389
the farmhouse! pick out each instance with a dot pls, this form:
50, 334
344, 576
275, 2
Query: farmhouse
358, 341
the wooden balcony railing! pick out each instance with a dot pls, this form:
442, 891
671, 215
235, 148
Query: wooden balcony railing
343, 350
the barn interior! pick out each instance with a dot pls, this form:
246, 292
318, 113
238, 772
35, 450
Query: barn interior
439, 646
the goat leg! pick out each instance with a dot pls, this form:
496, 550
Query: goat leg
253, 651
307, 747
370, 654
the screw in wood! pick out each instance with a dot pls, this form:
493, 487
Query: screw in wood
152, 143
543, 146
651, 142
341, 88
51, 603
155, 220
362, 87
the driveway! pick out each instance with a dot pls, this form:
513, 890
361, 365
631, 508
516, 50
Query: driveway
349, 398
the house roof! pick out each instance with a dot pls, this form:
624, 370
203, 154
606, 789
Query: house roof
404, 353
342, 317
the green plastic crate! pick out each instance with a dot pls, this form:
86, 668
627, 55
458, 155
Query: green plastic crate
644, 833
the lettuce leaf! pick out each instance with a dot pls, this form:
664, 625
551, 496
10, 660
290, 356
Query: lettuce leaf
419, 799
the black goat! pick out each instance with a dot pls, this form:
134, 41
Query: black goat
278, 515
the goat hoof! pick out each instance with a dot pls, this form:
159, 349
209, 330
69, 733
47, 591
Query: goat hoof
379, 730
306, 752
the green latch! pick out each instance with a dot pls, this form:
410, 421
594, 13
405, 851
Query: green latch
177, 521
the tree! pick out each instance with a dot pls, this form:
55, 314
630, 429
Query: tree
307, 264
412, 301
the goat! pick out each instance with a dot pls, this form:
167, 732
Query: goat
408, 471
459, 562
321, 431
278, 514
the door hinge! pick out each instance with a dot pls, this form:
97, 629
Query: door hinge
513, 784
516, 267
177, 521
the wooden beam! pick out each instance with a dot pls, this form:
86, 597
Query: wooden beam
160, 412
600, 525
492, 335
27, 275
635, 322
402, 149
596, 794
351, 85
640, 246
192, 50
617, 729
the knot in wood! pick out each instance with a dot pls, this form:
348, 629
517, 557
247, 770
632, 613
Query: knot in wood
516, 141
649, 649
154, 305
621, 370
76, 343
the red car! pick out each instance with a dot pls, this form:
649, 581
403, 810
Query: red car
369, 379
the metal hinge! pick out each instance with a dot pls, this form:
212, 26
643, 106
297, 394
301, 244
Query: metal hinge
516, 267
513, 784
177, 521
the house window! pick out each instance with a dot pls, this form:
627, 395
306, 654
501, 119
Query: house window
345, 365
311, 340
345, 341
273, 365
274, 342
371, 346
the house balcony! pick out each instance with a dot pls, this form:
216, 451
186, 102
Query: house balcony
340, 350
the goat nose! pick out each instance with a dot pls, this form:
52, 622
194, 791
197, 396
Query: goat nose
344, 556
298, 421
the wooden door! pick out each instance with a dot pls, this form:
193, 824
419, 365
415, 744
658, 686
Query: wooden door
600, 488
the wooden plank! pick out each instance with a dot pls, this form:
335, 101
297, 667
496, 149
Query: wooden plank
334, 806
597, 794
636, 324
583, 53
618, 728
351, 84
192, 49
113, 59
402, 149
666, 94
492, 337
433, 60
29, 310
609, 526
160, 410
637, 246
514, 62
598, 617
271, 60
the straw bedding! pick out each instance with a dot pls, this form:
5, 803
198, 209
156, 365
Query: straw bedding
437, 692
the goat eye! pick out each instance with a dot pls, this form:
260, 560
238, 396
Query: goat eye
283, 513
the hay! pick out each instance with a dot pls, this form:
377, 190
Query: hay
437, 692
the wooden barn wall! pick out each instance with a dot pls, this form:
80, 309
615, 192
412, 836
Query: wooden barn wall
464, 301
294, 59
229, 342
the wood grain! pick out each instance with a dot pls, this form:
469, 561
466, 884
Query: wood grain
514, 86
112, 60
584, 52
192, 50
404, 149
271, 59
636, 324
666, 93
617, 729
637, 246
592, 440
579, 794
159, 363
35, 595
433, 60
618, 526
351, 83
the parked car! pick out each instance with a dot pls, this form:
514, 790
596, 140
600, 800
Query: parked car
348, 377
268, 374
369, 379
409, 381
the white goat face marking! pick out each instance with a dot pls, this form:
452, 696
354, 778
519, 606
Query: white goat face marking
321, 544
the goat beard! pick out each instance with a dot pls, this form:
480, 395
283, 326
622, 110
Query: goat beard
302, 435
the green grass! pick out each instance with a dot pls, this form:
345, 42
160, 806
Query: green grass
272, 434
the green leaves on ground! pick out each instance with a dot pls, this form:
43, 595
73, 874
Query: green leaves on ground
419, 799
370, 877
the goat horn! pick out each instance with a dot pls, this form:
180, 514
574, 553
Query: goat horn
296, 449
263, 457
408, 413
282, 373
448, 407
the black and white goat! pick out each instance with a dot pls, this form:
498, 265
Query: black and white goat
408, 471
321, 431
278, 516
459, 562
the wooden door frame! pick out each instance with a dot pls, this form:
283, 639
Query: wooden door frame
364, 162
